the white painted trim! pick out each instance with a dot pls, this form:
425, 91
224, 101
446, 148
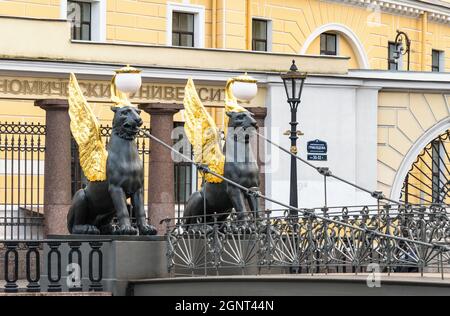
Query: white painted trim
412, 154
199, 21
269, 31
338, 44
98, 18
345, 31
63, 10
442, 61
426, 76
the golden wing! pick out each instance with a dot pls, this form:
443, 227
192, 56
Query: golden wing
86, 131
203, 134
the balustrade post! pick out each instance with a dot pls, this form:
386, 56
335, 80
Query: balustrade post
33, 283
11, 283
75, 249
54, 282
95, 282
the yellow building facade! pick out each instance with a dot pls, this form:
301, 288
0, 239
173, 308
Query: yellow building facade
365, 27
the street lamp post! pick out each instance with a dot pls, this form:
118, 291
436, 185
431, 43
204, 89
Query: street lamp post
293, 82
400, 50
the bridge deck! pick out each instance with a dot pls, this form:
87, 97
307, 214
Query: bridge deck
278, 285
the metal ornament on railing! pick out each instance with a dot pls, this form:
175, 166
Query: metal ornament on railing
398, 239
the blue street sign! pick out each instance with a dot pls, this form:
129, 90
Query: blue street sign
317, 147
318, 157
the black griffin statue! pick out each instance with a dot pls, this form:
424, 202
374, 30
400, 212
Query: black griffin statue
116, 175
94, 207
240, 167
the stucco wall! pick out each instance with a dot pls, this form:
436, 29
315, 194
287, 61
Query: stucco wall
293, 22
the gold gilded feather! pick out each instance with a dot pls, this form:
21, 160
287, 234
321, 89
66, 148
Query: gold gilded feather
231, 104
203, 134
86, 132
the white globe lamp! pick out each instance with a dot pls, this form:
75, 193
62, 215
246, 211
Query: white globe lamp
128, 79
244, 88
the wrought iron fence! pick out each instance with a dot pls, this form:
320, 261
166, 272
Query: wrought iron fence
397, 239
22, 266
22, 153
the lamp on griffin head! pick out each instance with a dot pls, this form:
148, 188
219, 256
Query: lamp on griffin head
242, 88
127, 80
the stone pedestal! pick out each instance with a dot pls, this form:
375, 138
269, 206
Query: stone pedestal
161, 192
124, 258
57, 177
260, 116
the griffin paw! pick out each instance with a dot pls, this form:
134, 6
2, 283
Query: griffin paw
85, 230
147, 230
126, 230
107, 229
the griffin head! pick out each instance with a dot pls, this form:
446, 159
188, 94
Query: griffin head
126, 122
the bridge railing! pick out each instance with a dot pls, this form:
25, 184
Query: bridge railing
389, 237
52, 265
336, 240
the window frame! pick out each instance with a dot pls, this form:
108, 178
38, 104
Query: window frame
179, 33
82, 22
440, 60
199, 22
259, 40
98, 18
327, 52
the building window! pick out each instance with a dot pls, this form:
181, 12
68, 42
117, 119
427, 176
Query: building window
437, 61
185, 25
87, 18
182, 29
80, 16
392, 54
260, 35
328, 44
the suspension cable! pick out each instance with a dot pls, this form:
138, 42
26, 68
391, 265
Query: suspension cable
327, 173
205, 169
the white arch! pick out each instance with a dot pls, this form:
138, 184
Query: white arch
432, 133
349, 35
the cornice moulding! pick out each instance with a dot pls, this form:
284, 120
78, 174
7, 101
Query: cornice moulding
436, 13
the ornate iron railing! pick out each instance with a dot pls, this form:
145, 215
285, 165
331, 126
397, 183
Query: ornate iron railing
428, 180
24, 263
397, 239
